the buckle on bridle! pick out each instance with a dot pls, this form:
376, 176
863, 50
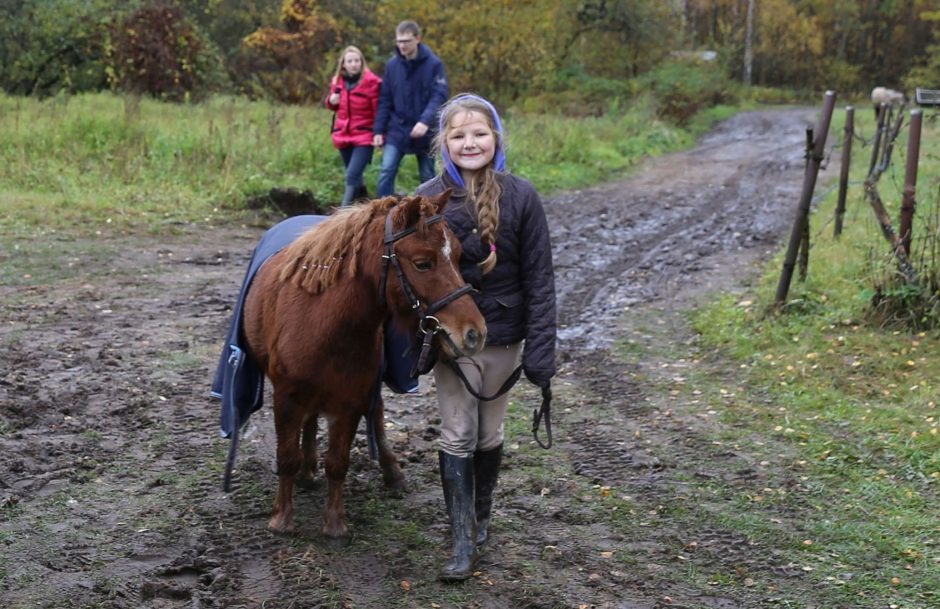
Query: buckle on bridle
425, 330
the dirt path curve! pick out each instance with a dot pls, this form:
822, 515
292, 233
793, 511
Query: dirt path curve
110, 463
643, 239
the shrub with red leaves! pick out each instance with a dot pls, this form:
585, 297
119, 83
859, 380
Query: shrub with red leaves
156, 51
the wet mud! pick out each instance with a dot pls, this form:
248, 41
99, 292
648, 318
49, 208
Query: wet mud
110, 460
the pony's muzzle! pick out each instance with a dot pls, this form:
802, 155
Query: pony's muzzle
457, 344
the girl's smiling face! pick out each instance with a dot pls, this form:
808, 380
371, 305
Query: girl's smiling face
471, 142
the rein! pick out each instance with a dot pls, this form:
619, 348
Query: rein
430, 325
545, 410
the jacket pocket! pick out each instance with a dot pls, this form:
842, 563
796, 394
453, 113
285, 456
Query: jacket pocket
509, 300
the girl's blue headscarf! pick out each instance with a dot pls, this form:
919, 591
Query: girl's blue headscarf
499, 158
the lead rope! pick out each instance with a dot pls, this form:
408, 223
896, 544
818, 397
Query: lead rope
543, 411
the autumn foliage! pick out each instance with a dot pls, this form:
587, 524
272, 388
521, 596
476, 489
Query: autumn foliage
290, 62
581, 55
156, 51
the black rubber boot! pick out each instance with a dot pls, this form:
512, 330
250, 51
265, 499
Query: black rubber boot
457, 482
486, 471
362, 193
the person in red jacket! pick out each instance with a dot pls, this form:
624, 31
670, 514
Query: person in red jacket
354, 97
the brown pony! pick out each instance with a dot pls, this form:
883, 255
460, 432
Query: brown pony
314, 318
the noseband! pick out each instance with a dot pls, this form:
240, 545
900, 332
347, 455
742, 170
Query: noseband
427, 323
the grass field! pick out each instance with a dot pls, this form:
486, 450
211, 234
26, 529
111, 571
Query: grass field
77, 163
847, 385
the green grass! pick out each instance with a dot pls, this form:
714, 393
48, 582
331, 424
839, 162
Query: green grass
96, 163
842, 396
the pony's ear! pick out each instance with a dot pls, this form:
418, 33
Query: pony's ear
440, 201
410, 211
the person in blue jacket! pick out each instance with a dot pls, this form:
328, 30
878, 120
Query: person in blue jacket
414, 87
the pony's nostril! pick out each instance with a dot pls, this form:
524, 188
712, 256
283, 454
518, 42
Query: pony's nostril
471, 339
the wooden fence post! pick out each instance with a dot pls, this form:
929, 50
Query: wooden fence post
908, 203
844, 169
891, 133
806, 197
876, 145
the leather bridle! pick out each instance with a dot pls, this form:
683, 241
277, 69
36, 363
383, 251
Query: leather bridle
428, 324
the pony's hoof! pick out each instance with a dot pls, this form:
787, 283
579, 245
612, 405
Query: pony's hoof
335, 542
280, 526
395, 483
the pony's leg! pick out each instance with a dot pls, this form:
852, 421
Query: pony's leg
388, 460
288, 421
308, 444
336, 464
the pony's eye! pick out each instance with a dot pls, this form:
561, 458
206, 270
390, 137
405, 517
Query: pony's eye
423, 265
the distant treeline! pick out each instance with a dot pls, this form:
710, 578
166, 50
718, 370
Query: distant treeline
575, 55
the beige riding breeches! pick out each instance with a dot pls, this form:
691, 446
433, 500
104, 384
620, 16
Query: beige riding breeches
468, 424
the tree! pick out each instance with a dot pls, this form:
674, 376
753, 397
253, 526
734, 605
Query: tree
226, 23
293, 64
749, 43
156, 51
49, 46
497, 48
789, 45
633, 35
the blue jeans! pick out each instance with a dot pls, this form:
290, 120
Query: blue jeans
391, 159
355, 158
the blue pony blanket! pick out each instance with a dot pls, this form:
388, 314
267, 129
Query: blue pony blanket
239, 379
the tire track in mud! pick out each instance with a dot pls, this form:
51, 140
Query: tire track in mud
659, 229
657, 234
655, 241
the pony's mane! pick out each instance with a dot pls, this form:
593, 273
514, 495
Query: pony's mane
316, 259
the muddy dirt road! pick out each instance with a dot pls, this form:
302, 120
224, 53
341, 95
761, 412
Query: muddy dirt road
110, 462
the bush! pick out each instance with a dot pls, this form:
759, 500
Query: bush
54, 46
291, 64
156, 51
572, 92
682, 87
926, 75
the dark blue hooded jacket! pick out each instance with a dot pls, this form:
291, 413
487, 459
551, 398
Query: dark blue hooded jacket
412, 91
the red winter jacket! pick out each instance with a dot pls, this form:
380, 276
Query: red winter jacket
355, 113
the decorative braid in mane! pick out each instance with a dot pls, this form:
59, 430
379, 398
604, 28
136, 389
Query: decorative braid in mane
318, 257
